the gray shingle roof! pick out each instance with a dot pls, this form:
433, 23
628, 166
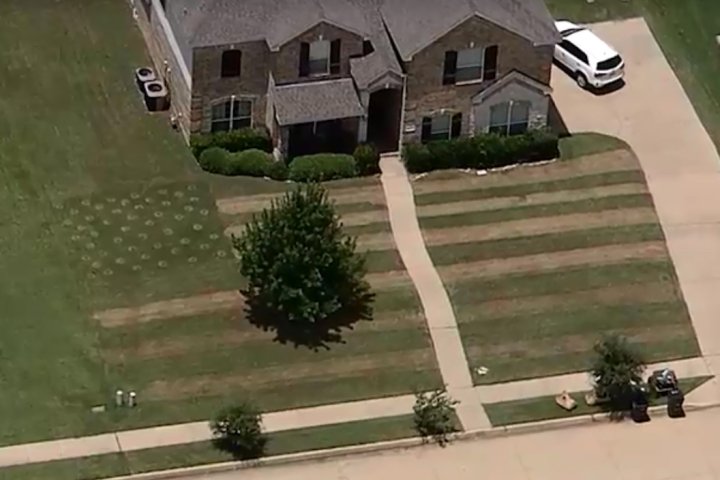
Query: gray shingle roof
275, 21
316, 101
415, 24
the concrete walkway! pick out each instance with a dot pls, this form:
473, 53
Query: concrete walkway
164, 436
436, 304
653, 114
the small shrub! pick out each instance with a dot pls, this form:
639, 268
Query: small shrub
251, 163
617, 368
232, 141
322, 167
367, 159
481, 151
215, 160
238, 431
434, 415
277, 171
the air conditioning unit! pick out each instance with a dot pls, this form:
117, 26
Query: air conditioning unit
144, 75
156, 96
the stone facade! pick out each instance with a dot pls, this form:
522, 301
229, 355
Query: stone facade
427, 96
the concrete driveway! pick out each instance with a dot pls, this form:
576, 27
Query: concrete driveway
683, 449
653, 114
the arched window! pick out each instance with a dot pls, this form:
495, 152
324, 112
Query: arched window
231, 115
231, 63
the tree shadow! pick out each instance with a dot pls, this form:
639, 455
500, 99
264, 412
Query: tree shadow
316, 335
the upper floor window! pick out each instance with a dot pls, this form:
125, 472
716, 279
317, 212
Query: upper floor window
231, 63
510, 118
318, 58
441, 127
470, 64
231, 115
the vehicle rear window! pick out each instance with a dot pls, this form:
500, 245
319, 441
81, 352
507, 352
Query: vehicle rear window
610, 63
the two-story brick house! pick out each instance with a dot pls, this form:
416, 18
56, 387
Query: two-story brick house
323, 75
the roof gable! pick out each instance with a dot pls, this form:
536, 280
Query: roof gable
515, 77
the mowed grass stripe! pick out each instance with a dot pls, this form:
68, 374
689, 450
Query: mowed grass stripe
214, 383
485, 329
254, 355
535, 226
565, 184
562, 280
454, 180
613, 295
345, 211
535, 211
190, 402
541, 244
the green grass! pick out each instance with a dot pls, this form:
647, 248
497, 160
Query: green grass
574, 183
598, 11
546, 243
590, 205
102, 205
544, 408
589, 143
164, 458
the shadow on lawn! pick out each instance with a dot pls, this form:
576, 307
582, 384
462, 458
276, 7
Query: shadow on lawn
315, 336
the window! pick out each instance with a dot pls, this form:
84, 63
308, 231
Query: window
470, 64
320, 58
441, 127
573, 50
509, 118
231, 63
231, 115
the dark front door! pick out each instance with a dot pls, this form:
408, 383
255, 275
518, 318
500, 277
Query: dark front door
384, 119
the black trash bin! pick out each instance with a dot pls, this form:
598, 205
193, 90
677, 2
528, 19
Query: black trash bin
640, 404
675, 400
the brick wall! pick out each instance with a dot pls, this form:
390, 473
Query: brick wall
426, 95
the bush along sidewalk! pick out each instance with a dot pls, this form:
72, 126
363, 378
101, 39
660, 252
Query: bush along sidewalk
481, 152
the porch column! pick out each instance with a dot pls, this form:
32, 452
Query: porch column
363, 123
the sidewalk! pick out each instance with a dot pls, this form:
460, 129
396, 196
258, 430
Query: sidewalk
436, 304
169, 435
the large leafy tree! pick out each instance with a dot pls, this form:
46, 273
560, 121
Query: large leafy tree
303, 272
617, 369
238, 431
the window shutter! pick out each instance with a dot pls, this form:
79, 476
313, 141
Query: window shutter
456, 126
335, 47
231, 63
450, 67
304, 59
426, 132
490, 63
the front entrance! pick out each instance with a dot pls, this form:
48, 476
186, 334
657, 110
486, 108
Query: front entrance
332, 136
384, 119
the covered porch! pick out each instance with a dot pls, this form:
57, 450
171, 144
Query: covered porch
317, 117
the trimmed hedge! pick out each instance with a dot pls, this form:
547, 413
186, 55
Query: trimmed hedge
322, 167
367, 159
481, 151
252, 163
233, 141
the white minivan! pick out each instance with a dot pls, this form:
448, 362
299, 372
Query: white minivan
590, 60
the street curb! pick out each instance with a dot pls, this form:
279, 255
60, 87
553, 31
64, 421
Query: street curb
402, 444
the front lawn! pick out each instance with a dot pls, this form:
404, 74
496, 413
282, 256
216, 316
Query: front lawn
117, 267
540, 261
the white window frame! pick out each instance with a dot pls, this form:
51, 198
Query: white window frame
508, 123
326, 70
480, 65
232, 119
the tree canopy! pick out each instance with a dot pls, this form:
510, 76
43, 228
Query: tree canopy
617, 369
238, 431
303, 273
